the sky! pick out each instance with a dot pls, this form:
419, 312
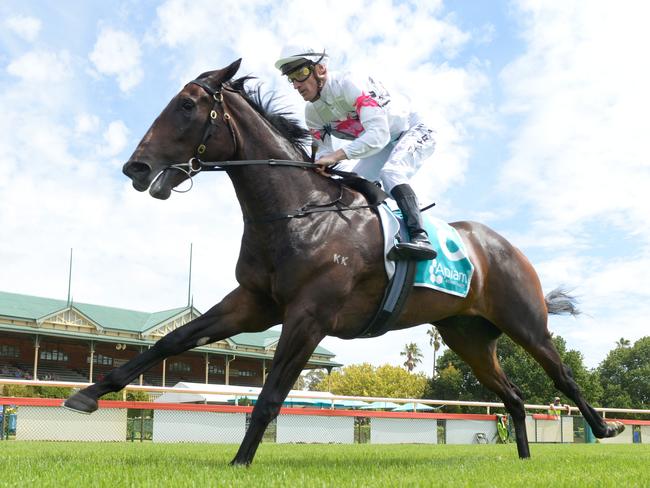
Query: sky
540, 111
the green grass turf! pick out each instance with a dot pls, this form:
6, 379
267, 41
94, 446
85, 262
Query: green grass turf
81, 465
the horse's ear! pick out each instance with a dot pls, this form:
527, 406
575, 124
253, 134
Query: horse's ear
229, 71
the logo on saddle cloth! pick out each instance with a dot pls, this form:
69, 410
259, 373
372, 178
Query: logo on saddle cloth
451, 271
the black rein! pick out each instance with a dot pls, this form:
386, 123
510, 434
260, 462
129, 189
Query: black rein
196, 165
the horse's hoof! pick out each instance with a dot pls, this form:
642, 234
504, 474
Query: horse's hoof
614, 428
81, 403
239, 464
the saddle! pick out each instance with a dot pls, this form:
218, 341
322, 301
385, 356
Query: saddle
372, 191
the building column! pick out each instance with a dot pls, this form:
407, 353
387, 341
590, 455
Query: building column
207, 365
92, 361
164, 363
263, 371
227, 372
37, 345
142, 375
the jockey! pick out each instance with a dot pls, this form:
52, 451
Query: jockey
390, 142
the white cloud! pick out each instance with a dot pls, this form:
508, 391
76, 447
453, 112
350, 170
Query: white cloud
115, 138
578, 164
117, 53
42, 66
86, 123
25, 26
580, 153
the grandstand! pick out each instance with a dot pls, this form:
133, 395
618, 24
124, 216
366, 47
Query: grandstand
50, 339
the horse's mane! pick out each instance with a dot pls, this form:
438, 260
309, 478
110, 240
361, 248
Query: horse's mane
279, 117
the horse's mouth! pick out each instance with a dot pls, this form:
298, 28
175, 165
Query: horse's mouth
139, 186
161, 187
144, 178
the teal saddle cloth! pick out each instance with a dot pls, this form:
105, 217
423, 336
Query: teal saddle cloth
451, 272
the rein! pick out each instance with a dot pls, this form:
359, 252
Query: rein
196, 165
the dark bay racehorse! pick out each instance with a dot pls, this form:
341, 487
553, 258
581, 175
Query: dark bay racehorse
287, 272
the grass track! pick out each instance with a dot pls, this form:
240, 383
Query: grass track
81, 465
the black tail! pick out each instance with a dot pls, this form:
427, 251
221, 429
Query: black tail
559, 302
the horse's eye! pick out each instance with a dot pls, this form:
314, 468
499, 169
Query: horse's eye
187, 104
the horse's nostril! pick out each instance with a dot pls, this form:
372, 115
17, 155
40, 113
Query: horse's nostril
136, 168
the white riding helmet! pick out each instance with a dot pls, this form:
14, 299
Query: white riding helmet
292, 55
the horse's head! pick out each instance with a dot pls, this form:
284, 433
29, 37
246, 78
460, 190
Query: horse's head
194, 118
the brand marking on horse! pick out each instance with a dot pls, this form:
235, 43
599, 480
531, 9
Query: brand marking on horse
338, 259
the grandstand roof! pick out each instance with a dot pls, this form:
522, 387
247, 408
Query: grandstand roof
37, 309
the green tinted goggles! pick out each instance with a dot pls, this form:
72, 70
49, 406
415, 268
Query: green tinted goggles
300, 74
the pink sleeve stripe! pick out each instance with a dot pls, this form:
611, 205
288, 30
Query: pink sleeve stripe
364, 101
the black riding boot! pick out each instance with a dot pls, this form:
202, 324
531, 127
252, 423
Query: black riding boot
419, 249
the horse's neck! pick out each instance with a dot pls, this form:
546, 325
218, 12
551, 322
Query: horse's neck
264, 190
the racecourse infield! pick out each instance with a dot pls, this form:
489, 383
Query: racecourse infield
76, 464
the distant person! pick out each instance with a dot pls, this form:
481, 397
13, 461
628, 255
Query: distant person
556, 407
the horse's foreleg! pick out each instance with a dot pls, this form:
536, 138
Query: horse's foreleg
297, 342
240, 311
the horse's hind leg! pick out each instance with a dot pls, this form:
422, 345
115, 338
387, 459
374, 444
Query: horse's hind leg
541, 347
240, 311
474, 340
525, 321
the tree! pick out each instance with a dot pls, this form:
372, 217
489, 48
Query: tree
314, 378
624, 375
383, 381
449, 382
435, 341
413, 355
299, 384
623, 342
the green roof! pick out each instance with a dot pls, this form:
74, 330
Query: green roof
27, 307
266, 339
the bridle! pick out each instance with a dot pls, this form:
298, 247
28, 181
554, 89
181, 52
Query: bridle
194, 165
217, 96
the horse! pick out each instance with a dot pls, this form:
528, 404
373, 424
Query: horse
288, 274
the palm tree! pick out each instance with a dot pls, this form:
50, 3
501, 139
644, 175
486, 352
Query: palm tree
413, 355
623, 342
435, 341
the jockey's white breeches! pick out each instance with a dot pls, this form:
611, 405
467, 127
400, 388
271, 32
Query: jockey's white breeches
398, 161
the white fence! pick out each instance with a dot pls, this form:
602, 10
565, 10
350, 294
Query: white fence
45, 419
208, 427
